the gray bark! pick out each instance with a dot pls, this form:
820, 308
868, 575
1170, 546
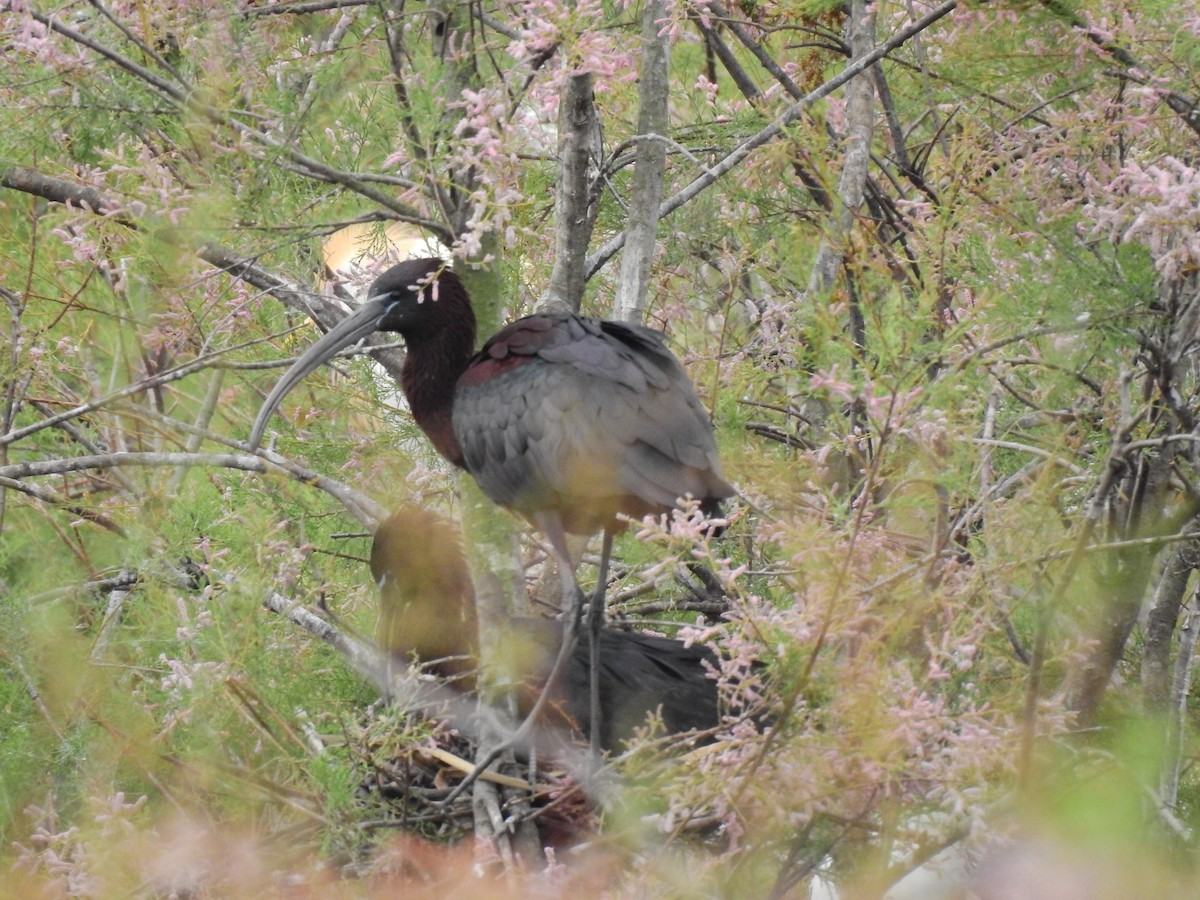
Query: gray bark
1160, 625
650, 165
579, 145
860, 91
1188, 632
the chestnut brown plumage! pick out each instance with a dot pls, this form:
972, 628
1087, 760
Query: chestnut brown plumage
426, 611
426, 600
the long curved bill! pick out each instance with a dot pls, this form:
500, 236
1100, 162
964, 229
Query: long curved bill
362, 322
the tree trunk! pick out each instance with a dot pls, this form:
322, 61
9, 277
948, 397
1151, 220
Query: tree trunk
647, 189
578, 148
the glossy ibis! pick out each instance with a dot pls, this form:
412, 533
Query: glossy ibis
567, 420
427, 610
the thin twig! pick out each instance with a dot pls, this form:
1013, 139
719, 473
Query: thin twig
774, 130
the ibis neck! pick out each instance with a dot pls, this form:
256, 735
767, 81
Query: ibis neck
430, 374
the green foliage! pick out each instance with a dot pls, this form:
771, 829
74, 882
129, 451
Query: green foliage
963, 460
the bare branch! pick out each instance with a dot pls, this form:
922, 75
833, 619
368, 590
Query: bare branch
362, 507
411, 692
301, 8
745, 84
302, 299
756, 49
775, 129
56, 190
185, 97
52, 499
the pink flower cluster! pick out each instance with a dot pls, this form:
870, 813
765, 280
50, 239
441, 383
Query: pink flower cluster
1154, 203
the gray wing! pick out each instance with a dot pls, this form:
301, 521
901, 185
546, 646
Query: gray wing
587, 418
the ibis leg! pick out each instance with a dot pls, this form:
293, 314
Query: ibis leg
551, 526
595, 624
573, 616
